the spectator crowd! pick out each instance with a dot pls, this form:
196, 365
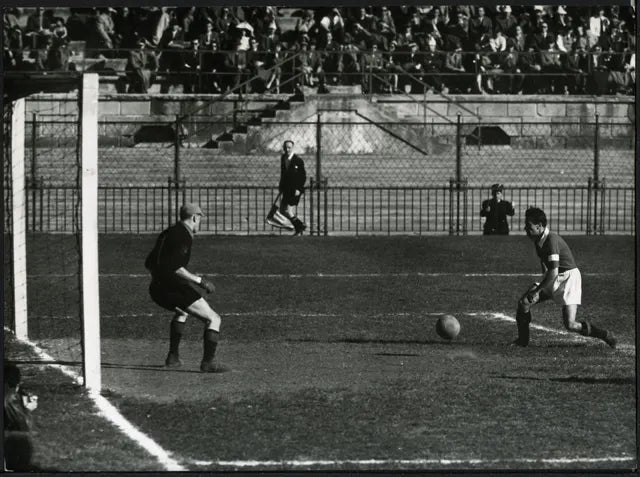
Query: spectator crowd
412, 49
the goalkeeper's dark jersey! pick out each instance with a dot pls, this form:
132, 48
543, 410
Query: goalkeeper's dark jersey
171, 251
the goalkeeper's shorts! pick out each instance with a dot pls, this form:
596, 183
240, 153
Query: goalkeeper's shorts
175, 296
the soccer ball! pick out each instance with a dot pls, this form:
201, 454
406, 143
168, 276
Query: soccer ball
447, 327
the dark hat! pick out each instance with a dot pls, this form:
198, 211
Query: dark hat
497, 188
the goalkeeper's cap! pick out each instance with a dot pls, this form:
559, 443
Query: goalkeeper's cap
497, 188
189, 209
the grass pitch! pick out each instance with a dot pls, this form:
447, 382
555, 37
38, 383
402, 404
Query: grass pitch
335, 362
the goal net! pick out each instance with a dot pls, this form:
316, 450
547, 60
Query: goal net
50, 240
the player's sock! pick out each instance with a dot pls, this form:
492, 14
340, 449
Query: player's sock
523, 319
175, 336
591, 330
210, 341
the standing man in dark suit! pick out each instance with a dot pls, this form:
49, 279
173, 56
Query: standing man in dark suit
292, 179
496, 210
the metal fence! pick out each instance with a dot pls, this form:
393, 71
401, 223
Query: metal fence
365, 176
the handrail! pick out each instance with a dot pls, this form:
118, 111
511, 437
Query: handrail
423, 103
448, 98
236, 90
392, 134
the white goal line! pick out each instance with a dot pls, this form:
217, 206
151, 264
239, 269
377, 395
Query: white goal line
328, 275
109, 411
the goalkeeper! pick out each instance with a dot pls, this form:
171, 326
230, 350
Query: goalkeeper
172, 287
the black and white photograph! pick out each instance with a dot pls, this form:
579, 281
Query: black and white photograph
317, 238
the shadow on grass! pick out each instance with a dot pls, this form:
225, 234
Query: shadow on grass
149, 367
379, 341
576, 379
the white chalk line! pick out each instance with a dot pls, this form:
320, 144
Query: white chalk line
111, 413
389, 463
172, 465
327, 275
626, 349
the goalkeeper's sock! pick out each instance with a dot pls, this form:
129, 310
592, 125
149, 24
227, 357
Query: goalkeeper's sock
210, 342
175, 335
523, 319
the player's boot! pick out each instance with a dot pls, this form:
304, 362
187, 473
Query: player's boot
172, 361
610, 339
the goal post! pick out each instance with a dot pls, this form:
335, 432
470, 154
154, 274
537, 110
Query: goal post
19, 220
89, 204
63, 250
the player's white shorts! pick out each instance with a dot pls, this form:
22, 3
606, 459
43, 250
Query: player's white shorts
567, 288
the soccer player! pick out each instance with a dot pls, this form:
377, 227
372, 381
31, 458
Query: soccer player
561, 282
292, 179
171, 287
496, 210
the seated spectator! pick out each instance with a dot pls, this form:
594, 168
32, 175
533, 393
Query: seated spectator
214, 67
460, 32
411, 67
186, 19
305, 25
512, 78
576, 67
599, 24
540, 40
224, 25
171, 46
500, 41
243, 42
160, 21
38, 24
487, 65
565, 41
141, 67
551, 67
40, 54
238, 67
506, 23
13, 49
520, 40
392, 66
561, 24
479, 26
456, 78
531, 68
76, 26
337, 25
58, 54
349, 62
331, 60
387, 24
98, 39
269, 41
210, 36
191, 66
433, 65
373, 68
10, 19
274, 67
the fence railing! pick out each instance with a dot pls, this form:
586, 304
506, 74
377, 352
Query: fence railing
449, 209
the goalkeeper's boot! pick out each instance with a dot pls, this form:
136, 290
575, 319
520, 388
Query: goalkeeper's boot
172, 361
212, 367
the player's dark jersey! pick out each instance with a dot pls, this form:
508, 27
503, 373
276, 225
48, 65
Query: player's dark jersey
554, 252
171, 251
496, 222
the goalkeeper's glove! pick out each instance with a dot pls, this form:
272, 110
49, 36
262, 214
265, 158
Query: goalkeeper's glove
206, 285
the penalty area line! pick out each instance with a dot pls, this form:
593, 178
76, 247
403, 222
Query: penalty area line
110, 412
627, 349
